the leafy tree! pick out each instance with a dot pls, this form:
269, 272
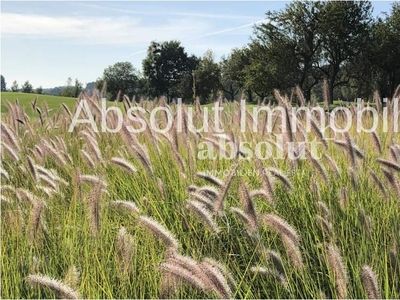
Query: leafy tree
308, 41
185, 88
67, 91
72, 90
207, 77
15, 87
233, 72
386, 52
3, 84
165, 66
27, 87
344, 34
122, 78
266, 70
39, 90
143, 87
292, 38
78, 88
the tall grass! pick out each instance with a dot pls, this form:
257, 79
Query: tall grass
272, 228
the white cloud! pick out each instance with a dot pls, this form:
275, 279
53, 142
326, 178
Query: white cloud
116, 31
100, 30
155, 12
227, 30
239, 30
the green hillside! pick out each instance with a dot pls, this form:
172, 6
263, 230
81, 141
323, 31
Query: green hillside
24, 99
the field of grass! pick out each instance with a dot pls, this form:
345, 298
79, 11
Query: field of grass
150, 215
53, 102
43, 102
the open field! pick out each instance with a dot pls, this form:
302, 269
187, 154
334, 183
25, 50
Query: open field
54, 102
24, 100
154, 215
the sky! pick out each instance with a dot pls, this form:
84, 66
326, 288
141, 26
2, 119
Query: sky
47, 42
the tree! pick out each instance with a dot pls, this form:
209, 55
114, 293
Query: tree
344, 34
122, 78
72, 90
165, 66
39, 90
233, 72
27, 87
3, 84
186, 85
267, 70
386, 52
184, 89
207, 77
78, 88
292, 35
14, 87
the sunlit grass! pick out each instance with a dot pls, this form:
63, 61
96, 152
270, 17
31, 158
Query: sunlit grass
362, 222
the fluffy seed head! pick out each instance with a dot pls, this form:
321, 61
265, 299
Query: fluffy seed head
159, 231
203, 214
370, 283
338, 270
72, 277
126, 165
281, 226
127, 205
62, 290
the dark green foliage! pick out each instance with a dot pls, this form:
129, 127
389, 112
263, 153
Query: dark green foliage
121, 78
3, 84
165, 66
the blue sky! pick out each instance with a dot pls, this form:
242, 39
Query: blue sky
47, 42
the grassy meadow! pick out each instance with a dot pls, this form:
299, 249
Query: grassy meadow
144, 215
24, 100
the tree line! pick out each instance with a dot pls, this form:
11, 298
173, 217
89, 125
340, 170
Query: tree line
307, 44
304, 44
68, 90
27, 87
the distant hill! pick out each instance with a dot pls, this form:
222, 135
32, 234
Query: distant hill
56, 91
53, 91
90, 86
